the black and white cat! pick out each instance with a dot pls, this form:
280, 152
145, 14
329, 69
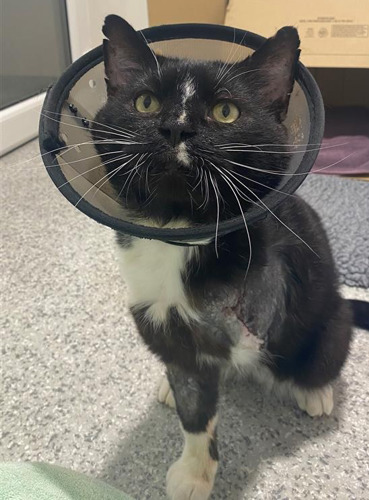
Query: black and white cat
186, 142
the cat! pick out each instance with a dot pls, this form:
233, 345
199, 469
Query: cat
186, 143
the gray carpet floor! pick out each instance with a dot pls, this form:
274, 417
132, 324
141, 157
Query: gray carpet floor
79, 387
343, 206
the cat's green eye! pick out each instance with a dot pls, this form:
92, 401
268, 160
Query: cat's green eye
147, 103
225, 112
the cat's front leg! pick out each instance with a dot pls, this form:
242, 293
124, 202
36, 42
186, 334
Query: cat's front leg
196, 396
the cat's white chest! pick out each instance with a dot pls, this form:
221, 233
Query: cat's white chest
154, 272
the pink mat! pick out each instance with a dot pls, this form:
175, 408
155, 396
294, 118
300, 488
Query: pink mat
347, 129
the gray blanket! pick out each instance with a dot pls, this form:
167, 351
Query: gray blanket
343, 205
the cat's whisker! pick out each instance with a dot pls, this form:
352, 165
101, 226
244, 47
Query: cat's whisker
203, 191
273, 172
90, 130
206, 187
223, 90
235, 144
273, 144
116, 171
82, 127
154, 56
202, 184
225, 70
102, 164
63, 149
143, 159
228, 70
98, 137
191, 200
218, 215
231, 186
92, 187
241, 194
151, 197
135, 172
202, 150
111, 153
223, 66
264, 185
246, 150
129, 172
147, 176
68, 149
273, 214
200, 175
197, 173
242, 73
115, 129
109, 175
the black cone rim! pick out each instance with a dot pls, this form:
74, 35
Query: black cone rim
58, 93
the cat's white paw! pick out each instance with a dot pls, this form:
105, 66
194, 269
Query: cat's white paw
165, 394
316, 402
189, 480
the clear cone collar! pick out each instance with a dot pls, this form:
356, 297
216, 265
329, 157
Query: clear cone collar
81, 91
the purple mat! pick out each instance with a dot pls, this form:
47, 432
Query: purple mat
347, 129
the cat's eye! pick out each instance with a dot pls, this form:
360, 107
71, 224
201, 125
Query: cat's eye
147, 103
225, 112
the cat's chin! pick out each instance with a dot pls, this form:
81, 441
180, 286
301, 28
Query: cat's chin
172, 180
175, 168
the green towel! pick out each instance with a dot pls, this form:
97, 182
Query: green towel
39, 481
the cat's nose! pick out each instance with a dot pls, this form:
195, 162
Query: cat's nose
175, 134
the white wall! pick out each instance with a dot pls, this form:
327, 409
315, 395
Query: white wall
86, 18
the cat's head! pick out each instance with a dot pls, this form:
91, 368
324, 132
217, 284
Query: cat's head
188, 139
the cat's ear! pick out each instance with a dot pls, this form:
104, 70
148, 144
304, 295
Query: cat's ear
275, 63
125, 51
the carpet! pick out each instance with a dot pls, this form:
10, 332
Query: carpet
343, 205
79, 386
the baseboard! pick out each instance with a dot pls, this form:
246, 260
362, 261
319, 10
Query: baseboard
19, 123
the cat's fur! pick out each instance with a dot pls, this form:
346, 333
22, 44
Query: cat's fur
196, 307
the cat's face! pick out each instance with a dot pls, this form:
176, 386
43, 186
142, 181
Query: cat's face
177, 129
